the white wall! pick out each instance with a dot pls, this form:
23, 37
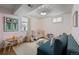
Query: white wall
58, 28
75, 31
36, 24
48, 26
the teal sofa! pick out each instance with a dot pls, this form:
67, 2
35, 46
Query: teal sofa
63, 45
72, 47
57, 48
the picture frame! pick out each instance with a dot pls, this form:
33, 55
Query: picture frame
75, 19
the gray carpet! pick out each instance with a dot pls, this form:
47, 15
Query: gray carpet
26, 49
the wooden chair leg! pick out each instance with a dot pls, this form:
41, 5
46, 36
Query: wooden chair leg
1, 51
4, 50
10, 49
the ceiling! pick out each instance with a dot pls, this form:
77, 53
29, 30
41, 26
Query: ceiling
51, 9
34, 10
9, 7
25, 9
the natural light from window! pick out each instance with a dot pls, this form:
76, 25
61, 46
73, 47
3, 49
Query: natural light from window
57, 20
24, 24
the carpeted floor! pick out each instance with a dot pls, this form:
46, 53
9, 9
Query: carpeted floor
26, 49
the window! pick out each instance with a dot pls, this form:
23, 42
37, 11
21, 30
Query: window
57, 20
10, 24
24, 24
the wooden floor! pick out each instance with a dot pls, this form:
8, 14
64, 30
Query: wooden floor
7, 52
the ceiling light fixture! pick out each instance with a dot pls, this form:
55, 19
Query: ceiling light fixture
43, 13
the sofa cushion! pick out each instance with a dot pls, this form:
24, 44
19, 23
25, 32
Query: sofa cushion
72, 45
46, 48
58, 47
63, 38
61, 45
41, 41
